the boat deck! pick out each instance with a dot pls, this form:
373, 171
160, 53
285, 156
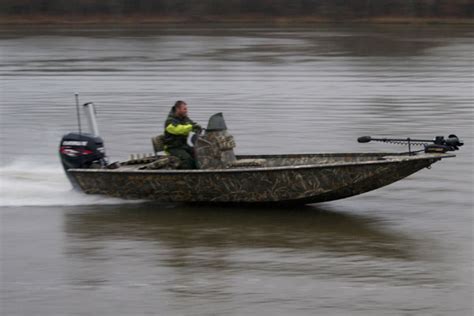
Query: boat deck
296, 160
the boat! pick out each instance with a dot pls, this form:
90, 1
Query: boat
224, 177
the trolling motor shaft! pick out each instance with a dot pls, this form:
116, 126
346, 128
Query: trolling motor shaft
437, 145
89, 109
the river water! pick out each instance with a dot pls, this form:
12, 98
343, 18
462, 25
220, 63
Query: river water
405, 249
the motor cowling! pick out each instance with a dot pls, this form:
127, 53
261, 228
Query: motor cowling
82, 151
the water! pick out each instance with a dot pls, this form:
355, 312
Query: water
401, 250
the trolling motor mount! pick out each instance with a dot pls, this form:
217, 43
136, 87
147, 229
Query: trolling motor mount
437, 145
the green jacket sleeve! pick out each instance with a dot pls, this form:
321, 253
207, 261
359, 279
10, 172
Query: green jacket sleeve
179, 129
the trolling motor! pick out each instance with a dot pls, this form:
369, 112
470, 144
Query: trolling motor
437, 145
83, 150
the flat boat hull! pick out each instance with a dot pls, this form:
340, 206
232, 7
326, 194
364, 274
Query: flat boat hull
309, 179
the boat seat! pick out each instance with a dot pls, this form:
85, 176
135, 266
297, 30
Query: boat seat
158, 143
242, 163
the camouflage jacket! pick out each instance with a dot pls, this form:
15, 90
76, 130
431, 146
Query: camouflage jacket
177, 130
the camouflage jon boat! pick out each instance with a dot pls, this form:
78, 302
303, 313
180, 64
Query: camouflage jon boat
223, 177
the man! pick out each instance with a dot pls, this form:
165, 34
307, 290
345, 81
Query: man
177, 128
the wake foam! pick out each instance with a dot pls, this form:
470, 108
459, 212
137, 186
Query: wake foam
25, 183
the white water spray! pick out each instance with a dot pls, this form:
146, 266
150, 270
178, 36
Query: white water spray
25, 183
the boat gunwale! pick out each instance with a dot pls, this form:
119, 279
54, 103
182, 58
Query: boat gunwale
403, 158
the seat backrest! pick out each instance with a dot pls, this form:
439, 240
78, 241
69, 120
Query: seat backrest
158, 143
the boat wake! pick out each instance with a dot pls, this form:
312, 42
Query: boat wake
24, 183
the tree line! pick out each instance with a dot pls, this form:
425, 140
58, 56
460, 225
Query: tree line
194, 8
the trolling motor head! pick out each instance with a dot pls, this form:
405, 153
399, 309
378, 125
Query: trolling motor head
452, 141
442, 145
437, 145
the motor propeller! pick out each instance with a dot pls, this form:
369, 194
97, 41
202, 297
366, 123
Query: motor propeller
438, 144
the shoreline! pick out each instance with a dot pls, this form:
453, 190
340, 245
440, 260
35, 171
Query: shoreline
143, 20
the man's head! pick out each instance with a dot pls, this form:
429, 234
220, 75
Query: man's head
180, 109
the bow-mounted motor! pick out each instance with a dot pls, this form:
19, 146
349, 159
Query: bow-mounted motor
437, 145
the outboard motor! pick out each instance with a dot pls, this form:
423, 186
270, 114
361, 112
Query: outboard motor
83, 150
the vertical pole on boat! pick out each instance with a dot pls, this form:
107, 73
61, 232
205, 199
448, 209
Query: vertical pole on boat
78, 112
90, 114
409, 146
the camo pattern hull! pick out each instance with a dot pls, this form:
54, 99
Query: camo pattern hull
333, 177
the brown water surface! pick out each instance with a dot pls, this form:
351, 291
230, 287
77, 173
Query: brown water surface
405, 249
